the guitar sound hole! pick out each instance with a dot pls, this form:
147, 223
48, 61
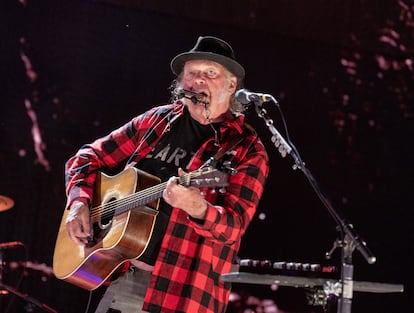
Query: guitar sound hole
107, 215
103, 225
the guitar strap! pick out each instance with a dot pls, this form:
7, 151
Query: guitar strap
228, 147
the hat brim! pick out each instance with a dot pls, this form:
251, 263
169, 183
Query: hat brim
177, 64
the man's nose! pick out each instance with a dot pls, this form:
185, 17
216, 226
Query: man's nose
199, 78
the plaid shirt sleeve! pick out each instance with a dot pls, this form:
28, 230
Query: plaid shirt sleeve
228, 223
112, 152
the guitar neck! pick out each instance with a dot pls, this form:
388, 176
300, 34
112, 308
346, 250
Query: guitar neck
206, 177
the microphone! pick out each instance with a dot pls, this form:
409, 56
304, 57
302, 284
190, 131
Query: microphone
193, 96
9, 245
245, 97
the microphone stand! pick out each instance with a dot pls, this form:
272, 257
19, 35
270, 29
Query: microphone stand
349, 238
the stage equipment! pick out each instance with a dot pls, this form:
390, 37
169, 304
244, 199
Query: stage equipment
348, 239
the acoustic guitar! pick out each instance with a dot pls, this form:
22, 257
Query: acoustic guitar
123, 215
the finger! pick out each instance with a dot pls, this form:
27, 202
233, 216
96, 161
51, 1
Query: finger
181, 172
167, 193
82, 241
79, 241
85, 227
75, 237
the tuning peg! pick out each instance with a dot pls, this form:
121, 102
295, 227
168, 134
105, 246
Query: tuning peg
222, 190
226, 167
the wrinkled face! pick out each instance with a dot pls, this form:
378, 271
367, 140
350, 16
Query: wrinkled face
213, 80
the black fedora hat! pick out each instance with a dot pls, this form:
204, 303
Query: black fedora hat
212, 49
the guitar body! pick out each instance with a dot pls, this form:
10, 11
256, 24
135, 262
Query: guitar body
123, 216
116, 237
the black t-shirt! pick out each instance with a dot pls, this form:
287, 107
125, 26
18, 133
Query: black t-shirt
174, 150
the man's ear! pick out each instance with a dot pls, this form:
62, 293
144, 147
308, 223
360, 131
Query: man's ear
233, 84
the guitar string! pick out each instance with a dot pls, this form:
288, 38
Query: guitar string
107, 209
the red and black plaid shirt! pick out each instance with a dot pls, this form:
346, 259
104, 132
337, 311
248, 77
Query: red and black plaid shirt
194, 253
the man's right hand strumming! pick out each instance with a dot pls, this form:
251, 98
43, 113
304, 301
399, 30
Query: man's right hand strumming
78, 223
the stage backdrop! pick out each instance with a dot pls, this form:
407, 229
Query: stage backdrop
343, 75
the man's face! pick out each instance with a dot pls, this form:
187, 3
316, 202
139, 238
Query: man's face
213, 80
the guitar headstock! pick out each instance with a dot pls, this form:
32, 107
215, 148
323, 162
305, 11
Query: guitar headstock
207, 177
